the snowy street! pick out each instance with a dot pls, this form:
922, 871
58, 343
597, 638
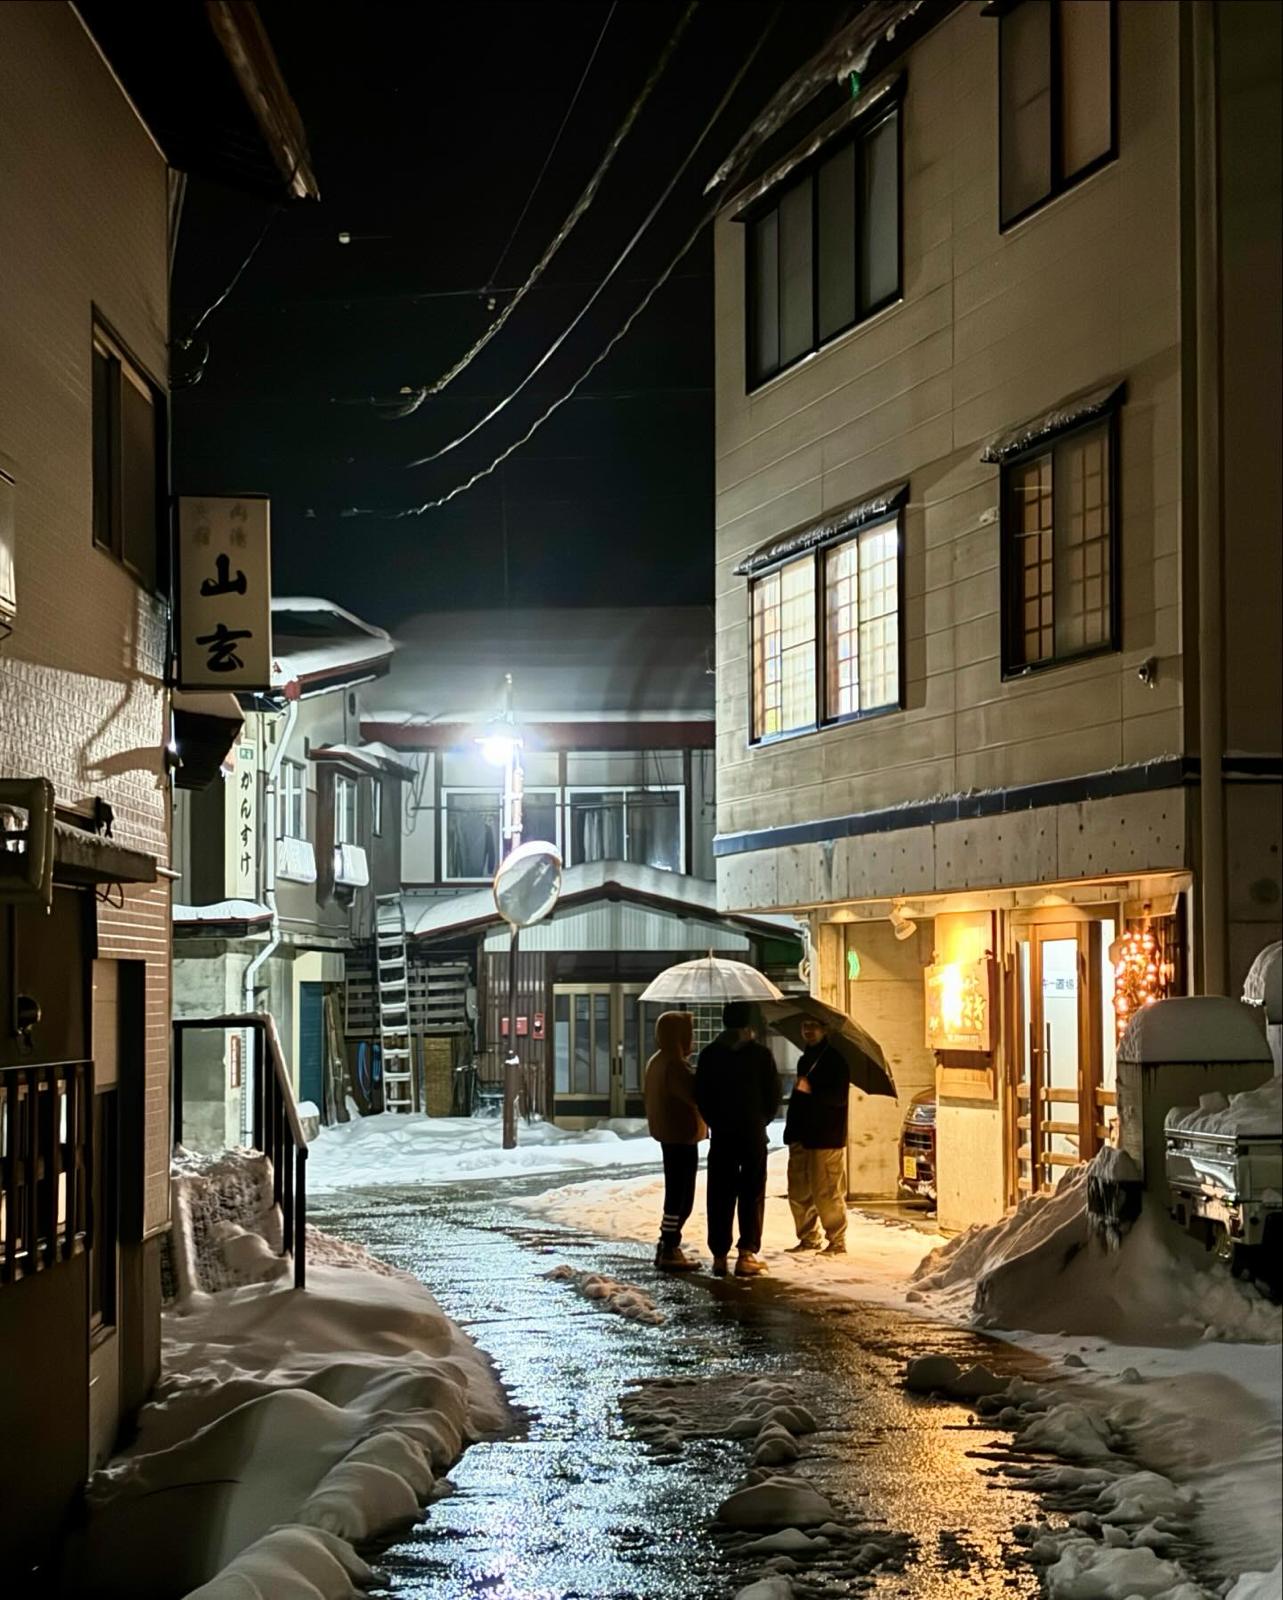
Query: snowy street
607, 1489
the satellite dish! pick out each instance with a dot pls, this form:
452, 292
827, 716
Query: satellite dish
528, 883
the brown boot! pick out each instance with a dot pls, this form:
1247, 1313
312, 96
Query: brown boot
750, 1265
720, 1266
672, 1258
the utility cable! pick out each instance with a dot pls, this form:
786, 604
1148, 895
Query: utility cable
552, 149
418, 396
646, 221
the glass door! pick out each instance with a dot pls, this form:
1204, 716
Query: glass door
1060, 1099
583, 1045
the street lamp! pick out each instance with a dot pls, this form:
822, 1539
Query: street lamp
501, 747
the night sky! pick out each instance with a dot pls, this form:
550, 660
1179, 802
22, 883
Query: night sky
427, 126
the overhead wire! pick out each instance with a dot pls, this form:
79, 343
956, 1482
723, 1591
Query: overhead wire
552, 148
418, 396
551, 351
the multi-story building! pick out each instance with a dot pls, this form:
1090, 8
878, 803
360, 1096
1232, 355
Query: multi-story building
614, 711
998, 546
89, 743
280, 864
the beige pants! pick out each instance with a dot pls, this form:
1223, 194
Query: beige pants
817, 1193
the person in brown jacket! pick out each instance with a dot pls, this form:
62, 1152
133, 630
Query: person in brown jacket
675, 1121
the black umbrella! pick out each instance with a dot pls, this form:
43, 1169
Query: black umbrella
866, 1063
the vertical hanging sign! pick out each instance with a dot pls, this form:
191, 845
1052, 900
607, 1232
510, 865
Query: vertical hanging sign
240, 824
224, 593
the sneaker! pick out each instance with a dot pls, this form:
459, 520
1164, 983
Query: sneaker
835, 1247
802, 1247
749, 1265
720, 1266
672, 1258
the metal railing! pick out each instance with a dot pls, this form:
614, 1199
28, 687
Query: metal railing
277, 1128
45, 1165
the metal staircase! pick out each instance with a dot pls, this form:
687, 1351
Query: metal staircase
391, 973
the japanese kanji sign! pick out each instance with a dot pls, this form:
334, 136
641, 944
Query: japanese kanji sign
224, 593
240, 824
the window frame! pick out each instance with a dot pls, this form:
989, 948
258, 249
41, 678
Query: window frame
1059, 184
125, 368
819, 553
1009, 596
443, 817
887, 105
344, 785
625, 789
283, 830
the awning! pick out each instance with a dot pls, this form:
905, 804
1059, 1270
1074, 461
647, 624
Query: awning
365, 758
224, 918
82, 858
1068, 414
206, 726
829, 530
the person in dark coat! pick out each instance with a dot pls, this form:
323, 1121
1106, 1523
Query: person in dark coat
816, 1134
737, 1090
674, 1119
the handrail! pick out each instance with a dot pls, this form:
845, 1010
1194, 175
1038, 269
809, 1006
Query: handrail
275, 1121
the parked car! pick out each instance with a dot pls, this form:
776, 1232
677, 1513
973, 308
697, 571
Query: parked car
918, 1149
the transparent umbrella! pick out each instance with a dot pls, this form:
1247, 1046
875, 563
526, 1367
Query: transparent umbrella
710, 981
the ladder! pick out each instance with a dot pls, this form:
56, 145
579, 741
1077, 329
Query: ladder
391, 974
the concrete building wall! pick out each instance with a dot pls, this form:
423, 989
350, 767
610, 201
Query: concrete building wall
992, 329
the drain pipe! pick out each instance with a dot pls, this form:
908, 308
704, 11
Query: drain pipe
269, 896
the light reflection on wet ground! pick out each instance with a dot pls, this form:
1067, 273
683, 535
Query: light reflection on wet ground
574, 1506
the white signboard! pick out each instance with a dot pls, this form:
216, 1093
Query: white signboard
224, 593
240, 824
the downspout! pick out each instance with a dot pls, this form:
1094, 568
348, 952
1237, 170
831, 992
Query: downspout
1212, 864
269, 897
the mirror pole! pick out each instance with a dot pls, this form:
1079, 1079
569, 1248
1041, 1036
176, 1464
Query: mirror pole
512, 1062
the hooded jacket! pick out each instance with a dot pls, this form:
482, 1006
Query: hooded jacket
817, 1121
669, 1085
738, 1089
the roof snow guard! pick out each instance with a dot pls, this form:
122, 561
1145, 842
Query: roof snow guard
1069, 414
827, 531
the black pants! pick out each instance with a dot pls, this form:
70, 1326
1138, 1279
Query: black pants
681, 1163
736, 1177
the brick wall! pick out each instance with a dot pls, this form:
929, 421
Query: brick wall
83, 194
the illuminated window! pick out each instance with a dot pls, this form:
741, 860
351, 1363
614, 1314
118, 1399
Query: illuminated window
783, 609
1056, 113
1060, 554
862, 623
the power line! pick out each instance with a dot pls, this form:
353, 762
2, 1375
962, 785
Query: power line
552, 148
563, 233
646, 221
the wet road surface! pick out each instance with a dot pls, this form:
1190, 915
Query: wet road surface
574, 1505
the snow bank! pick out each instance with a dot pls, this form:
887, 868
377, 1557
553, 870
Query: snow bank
286, 1425
625, 1299
398, 1149
1259, 1585
1253, 1112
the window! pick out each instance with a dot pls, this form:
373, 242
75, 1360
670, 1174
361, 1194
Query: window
472, 828
1056, 99
862, 623
825, 627
345, 793
293, 800
1060, 559
129, 484
644, 826
376, 806
783, 608
824, 253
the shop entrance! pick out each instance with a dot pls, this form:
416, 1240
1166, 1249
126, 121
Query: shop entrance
1064, 1057
600, 1044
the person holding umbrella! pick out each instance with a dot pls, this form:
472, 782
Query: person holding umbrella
674, 1119
815, 1131
737, 1090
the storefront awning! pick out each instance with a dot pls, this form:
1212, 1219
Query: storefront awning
205, 728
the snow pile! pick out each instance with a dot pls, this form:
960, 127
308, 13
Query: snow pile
1042, 1270
1255, 1112
286, 1425
226, 1231
395, 1148
1259, 1586
625, 1299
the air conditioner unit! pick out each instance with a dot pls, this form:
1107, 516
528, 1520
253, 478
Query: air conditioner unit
26, 841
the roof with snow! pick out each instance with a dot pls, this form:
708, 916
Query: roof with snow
586, 665
316, 644
1205, 1027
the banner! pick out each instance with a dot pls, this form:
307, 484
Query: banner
224, 623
